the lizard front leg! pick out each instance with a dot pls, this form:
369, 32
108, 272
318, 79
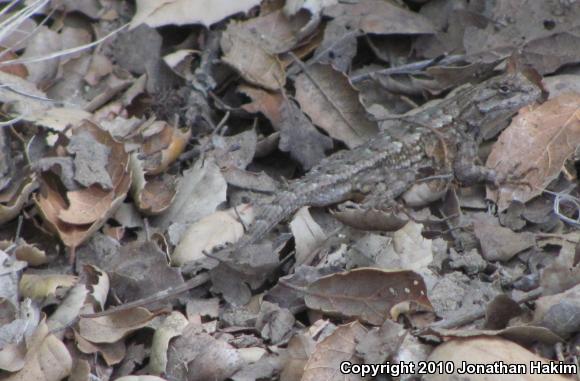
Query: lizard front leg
466, 169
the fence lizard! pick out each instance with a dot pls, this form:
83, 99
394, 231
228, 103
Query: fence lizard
440, 140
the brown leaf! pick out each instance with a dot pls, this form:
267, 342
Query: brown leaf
18, 70
297, 134
114, 327
499, 243
152, 195
534, 148
366, 293
299, 349
300, 138
87, 209
86, 206
195, 356
266, 102
276, 32
327, 97
245, 53
47, 358
380, 17
560, 312
340, 346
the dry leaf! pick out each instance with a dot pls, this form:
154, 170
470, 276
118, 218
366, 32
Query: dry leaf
114, 327
534, 148
560, 312
299, 349
216, 229
38, 287
152, 196
47, 358
365, 293
87, 209
276, 32
379, 17
499, 243
171, 327
266, 102
180, 12
201, 189
197, 356
340, 346
245, 53
14, 197
307, 234
112, 353
328, 98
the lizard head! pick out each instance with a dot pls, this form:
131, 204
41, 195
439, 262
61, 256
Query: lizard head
500, 97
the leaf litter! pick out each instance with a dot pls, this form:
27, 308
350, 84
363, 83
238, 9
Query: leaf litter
136, 137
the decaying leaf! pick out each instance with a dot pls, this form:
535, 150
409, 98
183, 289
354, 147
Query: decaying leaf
560, 312
42, 286
534, 148
180, 12
307, 234
47, 358
244, 52
75, 215
340, 346
328, 98
499, 243
13, 198
201, 189
379, 17
366, 293
205, 357
216, 229
152, 195
111, 328
171, 327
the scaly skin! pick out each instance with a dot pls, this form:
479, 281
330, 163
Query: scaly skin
438, 140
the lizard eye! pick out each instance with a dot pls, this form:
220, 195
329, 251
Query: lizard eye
504, 89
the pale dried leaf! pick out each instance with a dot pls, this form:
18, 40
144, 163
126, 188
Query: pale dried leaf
171, 327
181, 12
307, 234
201, 189
414, 251
216, 229
47, 359
328, 98
380, 17
37, 286
340, 346
114, 327
245, 53
534, 148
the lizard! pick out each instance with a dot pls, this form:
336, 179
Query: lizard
437, 142
440, 141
